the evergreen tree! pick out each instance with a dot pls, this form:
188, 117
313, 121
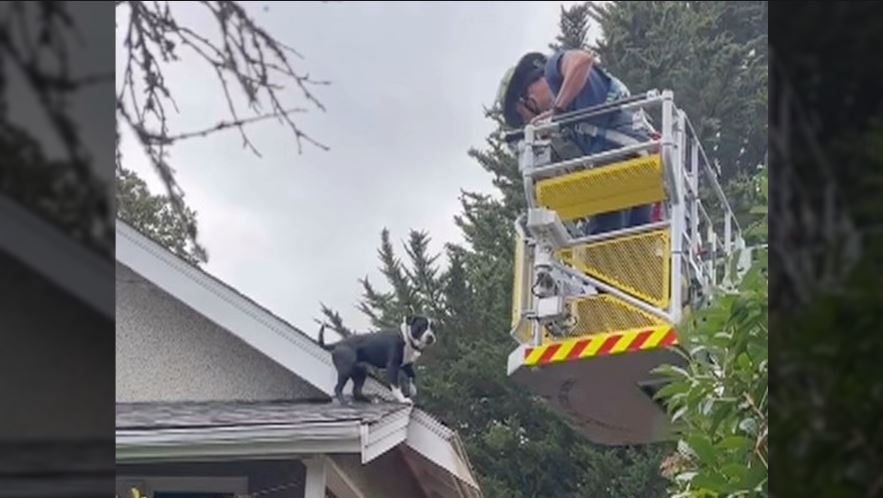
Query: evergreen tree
714, 55
520, 448
155, 216
574, 26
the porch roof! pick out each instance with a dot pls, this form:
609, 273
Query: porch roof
158, 431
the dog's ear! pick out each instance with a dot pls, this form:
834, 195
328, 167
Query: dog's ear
410, 319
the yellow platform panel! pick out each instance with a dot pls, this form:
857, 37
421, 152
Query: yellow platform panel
613, 187
639, 265
606, 313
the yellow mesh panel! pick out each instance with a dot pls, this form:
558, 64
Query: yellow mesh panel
606, 313
521, 275
603, 189
639, 265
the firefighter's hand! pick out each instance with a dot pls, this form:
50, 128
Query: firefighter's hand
541, 117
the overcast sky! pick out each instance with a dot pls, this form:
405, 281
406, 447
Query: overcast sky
408, 84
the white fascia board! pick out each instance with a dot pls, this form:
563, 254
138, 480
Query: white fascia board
227, 308
58, 258
431, 439
238, 442
384, 435
438, 444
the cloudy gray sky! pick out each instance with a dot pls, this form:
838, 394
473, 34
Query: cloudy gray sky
408, 84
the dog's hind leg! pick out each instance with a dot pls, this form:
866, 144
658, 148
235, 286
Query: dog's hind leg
360, 374
342, 378
344, 360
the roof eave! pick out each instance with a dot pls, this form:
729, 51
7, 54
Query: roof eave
239, 442
59, 258
368, 440
384, 435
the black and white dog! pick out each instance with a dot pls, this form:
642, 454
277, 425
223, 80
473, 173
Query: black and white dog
392, 350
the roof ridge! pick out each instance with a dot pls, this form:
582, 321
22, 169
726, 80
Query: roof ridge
274, 401
159, 415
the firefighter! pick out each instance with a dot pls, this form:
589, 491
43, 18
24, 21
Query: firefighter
540, 87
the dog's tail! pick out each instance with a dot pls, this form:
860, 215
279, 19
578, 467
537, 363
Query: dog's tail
322, 339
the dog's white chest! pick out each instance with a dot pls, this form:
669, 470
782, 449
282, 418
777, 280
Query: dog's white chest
409, 355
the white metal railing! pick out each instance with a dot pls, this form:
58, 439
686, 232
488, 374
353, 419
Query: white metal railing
703, 236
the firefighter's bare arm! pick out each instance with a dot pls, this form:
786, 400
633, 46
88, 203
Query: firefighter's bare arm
575, 67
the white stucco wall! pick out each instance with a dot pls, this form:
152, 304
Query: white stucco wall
165, 351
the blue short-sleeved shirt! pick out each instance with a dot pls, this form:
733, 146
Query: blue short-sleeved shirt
600, 88
593, 93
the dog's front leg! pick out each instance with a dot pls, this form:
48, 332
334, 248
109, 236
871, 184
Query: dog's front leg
412, 378
392, 372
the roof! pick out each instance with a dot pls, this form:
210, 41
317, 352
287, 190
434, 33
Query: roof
150, 415
280, 341
157, 430
49, 252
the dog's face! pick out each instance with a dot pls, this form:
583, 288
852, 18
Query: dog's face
420, 328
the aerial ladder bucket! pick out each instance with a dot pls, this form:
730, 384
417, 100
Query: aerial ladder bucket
593, 315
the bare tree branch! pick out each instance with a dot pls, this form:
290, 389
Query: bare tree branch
246, 60
35, 42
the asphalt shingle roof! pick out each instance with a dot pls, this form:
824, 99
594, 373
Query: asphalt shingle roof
168, 415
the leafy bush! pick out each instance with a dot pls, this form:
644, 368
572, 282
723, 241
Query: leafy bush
719, 400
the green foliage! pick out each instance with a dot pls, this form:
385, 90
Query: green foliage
333, 321
747, 195
826, 387
828, 390
497, 160
155, 217
574, 26
758, 227
719, 397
